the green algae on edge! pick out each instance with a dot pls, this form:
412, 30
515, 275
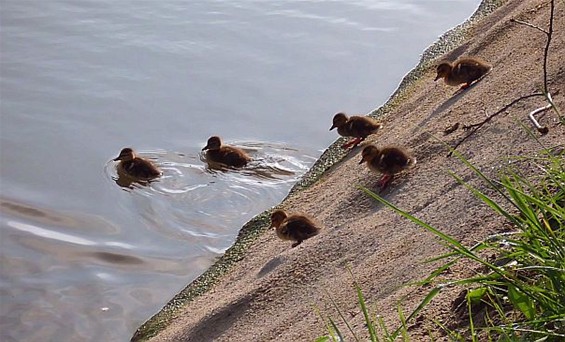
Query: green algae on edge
333, 154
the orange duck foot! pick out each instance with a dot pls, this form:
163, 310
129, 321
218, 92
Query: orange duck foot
352, 142
384, 182
465, 86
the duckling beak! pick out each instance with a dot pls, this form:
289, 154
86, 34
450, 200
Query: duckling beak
362, 161
437, 77
117, 158
333, 126
205, 148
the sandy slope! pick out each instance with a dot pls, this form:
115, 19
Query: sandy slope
271, 293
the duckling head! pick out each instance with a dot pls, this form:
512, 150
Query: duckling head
339, 120
443, 70
369, 153
126, 154
213, 143
277, 218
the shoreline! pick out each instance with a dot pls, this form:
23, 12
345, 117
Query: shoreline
331, 156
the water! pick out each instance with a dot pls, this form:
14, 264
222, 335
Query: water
83, 258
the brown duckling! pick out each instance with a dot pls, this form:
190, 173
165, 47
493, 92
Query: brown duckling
294, 227
226, 155
388, 161
136, 167
464, 70
359, 127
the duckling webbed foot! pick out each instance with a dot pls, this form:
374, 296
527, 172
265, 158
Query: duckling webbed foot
384, 182
352, 143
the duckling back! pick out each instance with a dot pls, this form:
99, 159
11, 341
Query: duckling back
355, 126
394, 160
361, 126
298, 228
468, 70
139, 168
133, 166
463, 71
230, 156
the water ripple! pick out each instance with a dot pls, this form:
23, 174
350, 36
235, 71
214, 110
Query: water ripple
203, 205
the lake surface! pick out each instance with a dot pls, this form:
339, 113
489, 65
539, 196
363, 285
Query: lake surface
84, 258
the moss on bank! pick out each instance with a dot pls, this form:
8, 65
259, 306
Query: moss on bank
256, 226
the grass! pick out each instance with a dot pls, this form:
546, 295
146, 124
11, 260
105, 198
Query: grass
520, 294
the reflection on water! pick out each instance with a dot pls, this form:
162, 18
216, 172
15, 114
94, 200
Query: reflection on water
87, 256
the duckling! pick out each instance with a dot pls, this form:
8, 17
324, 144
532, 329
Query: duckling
294, 227
464, 70
388, 161
359, 127
226, 155
136, 167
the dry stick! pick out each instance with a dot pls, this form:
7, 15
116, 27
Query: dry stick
549, 34
477, 126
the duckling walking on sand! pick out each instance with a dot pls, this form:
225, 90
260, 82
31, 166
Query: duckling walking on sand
226, 155
388, 161
463, 71
359, 127
294, 227
136, 167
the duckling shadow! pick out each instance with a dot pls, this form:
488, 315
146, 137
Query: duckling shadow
358, 203
115, 258
217, 323
369, 203
443, 107
270, 266
354, 152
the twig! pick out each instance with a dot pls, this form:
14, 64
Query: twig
500, 111
528, 24
546, 51
477, 126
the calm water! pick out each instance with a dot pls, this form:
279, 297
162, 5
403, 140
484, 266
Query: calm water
83, 258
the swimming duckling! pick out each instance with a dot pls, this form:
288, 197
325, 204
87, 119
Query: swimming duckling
464, 70
294, 227
388, 161
226, 155
136, 167
359, 127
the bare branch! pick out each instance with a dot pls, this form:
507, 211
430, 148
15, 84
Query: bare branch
528, 24
502, 110
549, 34
546, 51
477, 126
